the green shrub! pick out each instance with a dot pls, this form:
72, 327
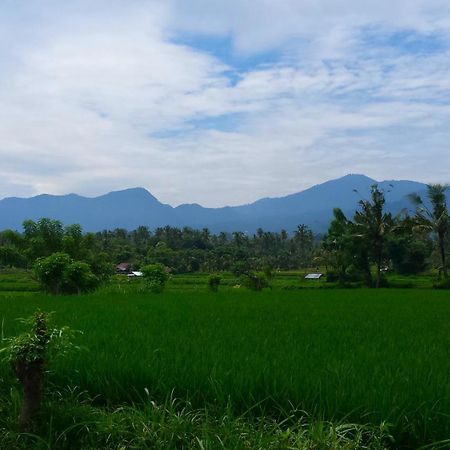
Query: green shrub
384, 282
332, 277
214, 282
353, 273
155, 277
50, 271
268, 272
256, 281
10, 257
78, 278
240, 268
443, 284
102, 269
59, 274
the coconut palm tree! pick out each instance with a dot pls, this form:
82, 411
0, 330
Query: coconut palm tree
373, 225
434, 219
336, 244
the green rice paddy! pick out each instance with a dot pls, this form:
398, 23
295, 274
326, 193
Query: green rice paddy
357, 355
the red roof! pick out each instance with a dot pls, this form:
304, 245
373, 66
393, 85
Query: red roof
123, 266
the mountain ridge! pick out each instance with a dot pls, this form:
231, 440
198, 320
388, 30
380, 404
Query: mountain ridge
132, 207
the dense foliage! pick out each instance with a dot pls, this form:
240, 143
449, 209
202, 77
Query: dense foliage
375, 238
155, 277
214, 282
60, 274
182, 250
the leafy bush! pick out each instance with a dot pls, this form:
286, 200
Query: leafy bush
10, 257
155, 277
332, 277
59, 274
50, 271
214, 282
384, 282
240, 268
102, 269
268, 272
353, 273
256, 281
78, 278
408, 255
443, 284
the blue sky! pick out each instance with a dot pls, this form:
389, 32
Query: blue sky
221, 102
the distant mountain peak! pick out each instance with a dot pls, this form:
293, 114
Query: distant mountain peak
353, 180
132, 190
359, 175
132, 207
137, 193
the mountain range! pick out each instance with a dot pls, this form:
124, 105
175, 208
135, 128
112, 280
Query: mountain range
131, 208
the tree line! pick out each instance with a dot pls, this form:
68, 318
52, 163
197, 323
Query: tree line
407, 244
181, 249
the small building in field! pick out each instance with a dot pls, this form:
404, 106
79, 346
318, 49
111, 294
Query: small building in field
135, 274
124, 268
313, 276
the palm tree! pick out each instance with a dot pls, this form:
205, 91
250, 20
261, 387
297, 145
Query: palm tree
373, 225
436, 219
337, 244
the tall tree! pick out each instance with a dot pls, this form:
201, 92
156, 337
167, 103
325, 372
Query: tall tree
337, 243
373, 225
434, 219
303, 242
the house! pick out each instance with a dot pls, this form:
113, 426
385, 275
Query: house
314, 276
135, 274
124, 268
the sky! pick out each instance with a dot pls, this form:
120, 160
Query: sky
221, 102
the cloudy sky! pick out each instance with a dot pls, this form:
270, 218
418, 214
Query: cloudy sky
221, 101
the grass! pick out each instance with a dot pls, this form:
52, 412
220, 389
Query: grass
73, 423
344, 356
17, 280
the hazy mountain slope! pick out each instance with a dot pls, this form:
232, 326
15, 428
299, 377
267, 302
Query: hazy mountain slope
124, 209
133, 207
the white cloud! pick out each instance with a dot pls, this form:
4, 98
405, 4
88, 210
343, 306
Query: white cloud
257, 25
98, 96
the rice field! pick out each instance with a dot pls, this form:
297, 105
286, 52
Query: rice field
362, 356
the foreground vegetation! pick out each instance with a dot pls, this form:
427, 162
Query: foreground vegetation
243, 363
72, 422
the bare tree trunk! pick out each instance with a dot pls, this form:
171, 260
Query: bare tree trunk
443, 257
30, 374
378, 282
368, 277
342, 275
29, 369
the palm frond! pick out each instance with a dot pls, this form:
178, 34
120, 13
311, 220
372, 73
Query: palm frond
415, 198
